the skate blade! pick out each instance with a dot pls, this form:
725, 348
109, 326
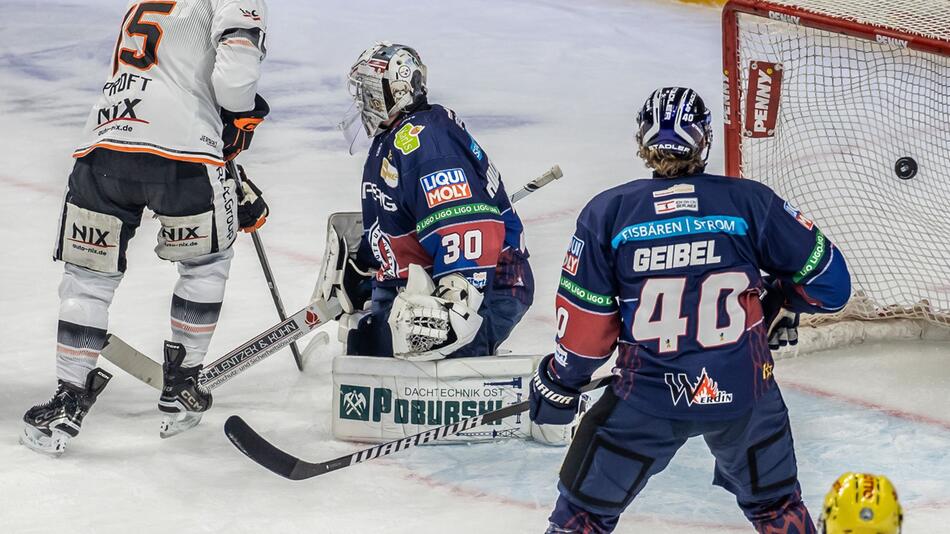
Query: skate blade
37, 441
174, 424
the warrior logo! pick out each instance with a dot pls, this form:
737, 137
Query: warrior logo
706, 390
383, 252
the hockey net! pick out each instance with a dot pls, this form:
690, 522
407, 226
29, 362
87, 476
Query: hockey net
843, 108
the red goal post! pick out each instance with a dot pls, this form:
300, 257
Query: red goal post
843, 107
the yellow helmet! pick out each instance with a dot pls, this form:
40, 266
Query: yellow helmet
860, 503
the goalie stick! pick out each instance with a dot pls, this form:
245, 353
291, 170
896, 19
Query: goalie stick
255, 447
268, 342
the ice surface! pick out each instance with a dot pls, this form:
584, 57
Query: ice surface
538, 82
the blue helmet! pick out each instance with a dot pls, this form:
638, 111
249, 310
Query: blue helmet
675, 121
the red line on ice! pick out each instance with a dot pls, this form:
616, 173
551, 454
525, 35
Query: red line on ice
895, 412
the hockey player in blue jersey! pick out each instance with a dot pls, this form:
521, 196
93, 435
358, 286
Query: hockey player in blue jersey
436, 220
668, 272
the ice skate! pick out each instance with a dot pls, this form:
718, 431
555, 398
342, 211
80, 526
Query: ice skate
49, 426
183, 400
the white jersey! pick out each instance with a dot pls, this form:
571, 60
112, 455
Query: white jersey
175, 65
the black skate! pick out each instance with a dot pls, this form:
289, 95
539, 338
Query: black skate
49, 426
183, 398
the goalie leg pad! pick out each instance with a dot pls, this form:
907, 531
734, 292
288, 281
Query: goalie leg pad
339, 275
382, 399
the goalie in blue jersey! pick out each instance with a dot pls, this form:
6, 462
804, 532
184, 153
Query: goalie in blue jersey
668, 271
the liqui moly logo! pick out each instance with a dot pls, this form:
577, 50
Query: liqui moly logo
762, 99
573, 257
445, 186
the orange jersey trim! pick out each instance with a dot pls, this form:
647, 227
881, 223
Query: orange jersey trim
148, 150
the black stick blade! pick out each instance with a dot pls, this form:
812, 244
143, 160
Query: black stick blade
259, 449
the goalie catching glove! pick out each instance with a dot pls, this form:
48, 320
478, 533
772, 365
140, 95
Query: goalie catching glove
429, 322
252, 210
239, 127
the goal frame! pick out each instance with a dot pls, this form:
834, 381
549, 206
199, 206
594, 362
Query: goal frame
768, 10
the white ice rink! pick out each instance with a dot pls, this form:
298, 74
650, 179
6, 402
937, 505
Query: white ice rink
538, 82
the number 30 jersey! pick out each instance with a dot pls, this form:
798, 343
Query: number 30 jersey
174, 66
668, 272
431, 196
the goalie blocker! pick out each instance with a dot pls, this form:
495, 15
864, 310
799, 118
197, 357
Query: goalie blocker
377, 400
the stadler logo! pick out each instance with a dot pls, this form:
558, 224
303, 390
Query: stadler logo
445, 186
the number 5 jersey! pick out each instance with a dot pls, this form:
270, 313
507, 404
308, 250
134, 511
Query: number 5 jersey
174, 66
668, 271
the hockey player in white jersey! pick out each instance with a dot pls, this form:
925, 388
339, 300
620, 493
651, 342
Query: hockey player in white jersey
180, 100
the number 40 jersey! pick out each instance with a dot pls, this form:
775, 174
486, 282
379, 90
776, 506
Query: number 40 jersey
174, 66
669, 272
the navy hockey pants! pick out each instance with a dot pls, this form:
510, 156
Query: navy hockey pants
618, 448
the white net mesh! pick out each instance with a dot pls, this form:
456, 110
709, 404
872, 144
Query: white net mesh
850, 109
927, 18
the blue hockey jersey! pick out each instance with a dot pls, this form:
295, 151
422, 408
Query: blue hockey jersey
668, 271
431, 196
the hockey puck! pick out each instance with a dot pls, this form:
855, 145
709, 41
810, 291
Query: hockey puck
905, 168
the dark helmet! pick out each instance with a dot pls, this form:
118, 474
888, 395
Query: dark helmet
675, 121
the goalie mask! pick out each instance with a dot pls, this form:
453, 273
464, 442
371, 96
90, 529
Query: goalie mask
675, 121
386, 80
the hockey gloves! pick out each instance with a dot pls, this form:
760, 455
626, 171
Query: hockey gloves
782, 323
784, 331
551, 402
252, 210
239, 127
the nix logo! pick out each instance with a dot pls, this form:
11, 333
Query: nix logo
124, 110
705, 391
90, 235
178, 235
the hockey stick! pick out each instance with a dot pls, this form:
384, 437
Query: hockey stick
233, 363
265, 266
537, 183
268, 342
255, 447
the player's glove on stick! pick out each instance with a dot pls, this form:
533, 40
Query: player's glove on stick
552, 403
252, 210
239, 127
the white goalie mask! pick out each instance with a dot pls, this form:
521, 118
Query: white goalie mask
385, 80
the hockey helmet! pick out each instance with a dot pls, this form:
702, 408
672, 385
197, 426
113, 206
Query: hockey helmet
386, 79
675, 121
860, 503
